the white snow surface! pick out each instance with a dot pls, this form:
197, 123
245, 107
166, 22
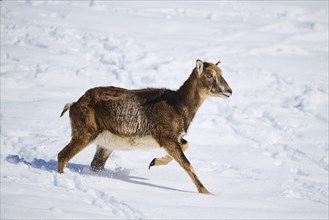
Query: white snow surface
263, 153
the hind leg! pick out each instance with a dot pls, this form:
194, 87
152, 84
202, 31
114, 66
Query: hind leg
167, 158
70, 150
100, 158
84, 130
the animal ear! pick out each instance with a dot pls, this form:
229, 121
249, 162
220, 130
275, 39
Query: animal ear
199, 66
217, 63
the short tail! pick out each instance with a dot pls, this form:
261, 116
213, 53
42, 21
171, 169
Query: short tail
66, 107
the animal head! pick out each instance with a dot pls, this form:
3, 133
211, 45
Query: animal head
211, 80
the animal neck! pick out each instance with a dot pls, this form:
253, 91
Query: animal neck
189, 98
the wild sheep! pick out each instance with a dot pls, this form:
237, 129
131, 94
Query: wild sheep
116, 118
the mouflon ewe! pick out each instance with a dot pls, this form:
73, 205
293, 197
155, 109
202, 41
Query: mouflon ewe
121, 119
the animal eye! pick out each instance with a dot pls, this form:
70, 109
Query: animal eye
209, 75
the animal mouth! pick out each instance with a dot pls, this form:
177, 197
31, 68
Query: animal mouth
225, 94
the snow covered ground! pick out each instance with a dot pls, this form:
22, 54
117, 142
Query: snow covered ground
263, 153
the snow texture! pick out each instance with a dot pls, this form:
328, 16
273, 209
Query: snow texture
263, 153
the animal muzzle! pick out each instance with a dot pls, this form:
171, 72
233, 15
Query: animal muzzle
221, 91
226, 94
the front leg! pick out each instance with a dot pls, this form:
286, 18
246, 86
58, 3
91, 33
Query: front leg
176, 152
167, 158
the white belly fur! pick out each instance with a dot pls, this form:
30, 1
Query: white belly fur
114, 142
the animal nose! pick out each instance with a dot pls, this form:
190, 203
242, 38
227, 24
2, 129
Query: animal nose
229, 90
227, 93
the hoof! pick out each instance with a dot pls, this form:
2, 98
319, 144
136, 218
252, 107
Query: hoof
152, 163
205, 191
97, 169
60, 168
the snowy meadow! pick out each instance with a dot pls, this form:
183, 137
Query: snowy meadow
263, 152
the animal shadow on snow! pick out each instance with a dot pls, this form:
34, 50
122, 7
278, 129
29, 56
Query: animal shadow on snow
119, 173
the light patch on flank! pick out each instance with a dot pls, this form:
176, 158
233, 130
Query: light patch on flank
114, 142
